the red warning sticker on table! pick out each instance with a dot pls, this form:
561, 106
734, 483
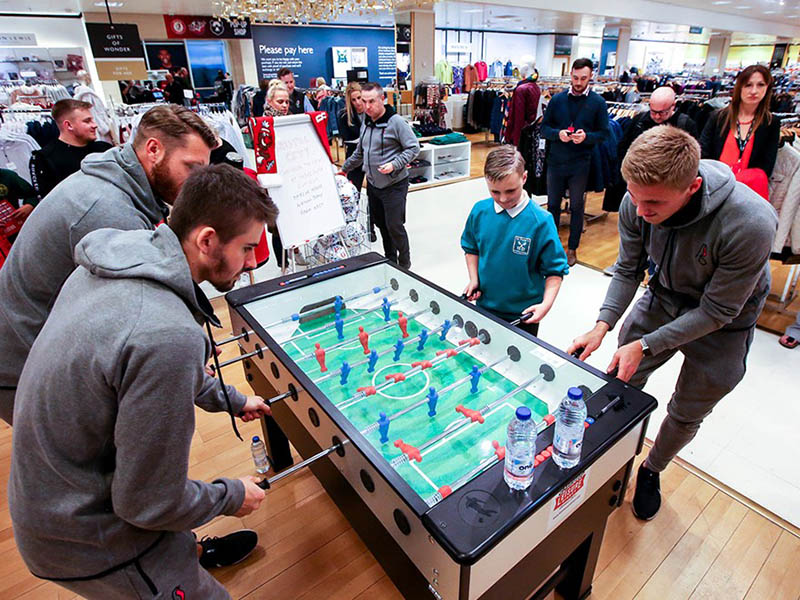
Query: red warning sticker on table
567, 500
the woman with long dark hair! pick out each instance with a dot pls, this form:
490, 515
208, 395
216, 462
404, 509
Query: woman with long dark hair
745, 135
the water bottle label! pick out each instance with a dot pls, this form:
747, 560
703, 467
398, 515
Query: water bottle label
520, 468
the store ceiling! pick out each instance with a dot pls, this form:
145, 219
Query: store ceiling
466, 15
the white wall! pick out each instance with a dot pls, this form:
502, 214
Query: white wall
508, 46
55, 32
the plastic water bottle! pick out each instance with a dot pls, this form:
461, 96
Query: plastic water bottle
520, 450
568, 436
259, 452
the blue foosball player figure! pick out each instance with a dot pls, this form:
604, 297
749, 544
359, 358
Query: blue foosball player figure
373, 360
423, 337
339, 324
475, 375
433, 398
345, 372
383, 427
398, 350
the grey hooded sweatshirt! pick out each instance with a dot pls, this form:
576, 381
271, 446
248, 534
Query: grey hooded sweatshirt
713, 270
389, 139
105, 410
110, 190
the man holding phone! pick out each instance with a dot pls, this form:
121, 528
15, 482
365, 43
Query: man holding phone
575, 121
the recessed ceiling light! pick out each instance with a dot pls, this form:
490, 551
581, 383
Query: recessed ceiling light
474, 10
769, 12
719, 2
110, 4
744, 7
791, 16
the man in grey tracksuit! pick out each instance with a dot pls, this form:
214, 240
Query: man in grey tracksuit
710, 238
98, 491
128, 187
385, 147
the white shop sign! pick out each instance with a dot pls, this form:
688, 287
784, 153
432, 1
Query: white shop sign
18, 39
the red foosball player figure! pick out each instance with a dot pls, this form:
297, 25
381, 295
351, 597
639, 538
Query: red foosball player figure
363, 337
402, 321
320, 354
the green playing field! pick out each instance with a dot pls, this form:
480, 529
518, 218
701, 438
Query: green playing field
457, 454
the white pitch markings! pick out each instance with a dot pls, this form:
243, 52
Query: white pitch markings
457, 433
425, 477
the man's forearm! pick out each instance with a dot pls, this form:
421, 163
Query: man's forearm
619, 296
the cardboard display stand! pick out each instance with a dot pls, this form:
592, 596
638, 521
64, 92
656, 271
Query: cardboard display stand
294, 163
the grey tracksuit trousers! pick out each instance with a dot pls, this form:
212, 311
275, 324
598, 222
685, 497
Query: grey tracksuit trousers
170, 571
713, 365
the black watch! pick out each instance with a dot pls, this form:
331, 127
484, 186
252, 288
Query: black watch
645, 348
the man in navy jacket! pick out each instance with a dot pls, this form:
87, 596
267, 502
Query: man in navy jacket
575, 121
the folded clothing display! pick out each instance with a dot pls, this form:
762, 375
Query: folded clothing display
450, 138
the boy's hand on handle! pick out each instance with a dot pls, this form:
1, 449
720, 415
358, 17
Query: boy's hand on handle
538, 312
472, 291
626, 360
253, 496
588, 342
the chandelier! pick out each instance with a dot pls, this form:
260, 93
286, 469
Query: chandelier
296, 11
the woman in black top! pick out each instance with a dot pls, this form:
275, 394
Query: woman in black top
745, 131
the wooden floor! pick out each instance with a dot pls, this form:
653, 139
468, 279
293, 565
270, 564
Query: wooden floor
703, 544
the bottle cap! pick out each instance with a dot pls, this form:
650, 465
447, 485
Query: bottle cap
523, 413
255, 438
575, 393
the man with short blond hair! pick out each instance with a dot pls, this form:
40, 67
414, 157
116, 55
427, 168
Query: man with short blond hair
62, 157
710, 238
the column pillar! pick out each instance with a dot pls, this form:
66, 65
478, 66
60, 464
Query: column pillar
423, 40
545, 46
623, 46
718, 46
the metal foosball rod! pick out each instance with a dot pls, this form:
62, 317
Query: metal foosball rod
396, 378
298, 315
408, 451
375, 426
346, 320
266, 484
308, 355
419, 336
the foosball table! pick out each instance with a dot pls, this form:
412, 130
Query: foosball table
405, 392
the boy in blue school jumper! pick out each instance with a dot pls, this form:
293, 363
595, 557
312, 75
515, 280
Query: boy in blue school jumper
514, 257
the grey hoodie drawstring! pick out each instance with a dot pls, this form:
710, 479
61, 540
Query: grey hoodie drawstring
221, 381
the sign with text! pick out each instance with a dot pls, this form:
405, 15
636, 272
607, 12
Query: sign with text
567, 500
308, 51
117, 50
186, 27
17, 39
458, 48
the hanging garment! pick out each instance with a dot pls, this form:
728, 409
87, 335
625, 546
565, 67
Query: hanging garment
784, 195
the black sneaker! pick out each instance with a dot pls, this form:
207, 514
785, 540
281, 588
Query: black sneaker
373, 237
647, 499
227, 550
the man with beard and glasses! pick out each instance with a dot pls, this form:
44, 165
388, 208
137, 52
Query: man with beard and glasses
99, 491
130, 187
